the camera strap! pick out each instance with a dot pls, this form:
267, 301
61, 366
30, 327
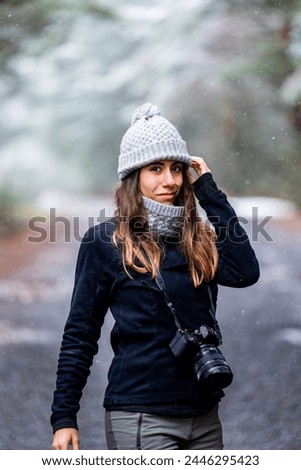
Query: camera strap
212, 312
161, 284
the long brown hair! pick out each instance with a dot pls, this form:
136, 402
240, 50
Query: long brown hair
140, 247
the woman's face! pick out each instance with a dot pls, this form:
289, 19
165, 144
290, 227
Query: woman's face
161, 181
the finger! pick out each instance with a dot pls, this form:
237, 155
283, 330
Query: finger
197, 159
65, 438
75, 442
61, 445
58, 446
200, 166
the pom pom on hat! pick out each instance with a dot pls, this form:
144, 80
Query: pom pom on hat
146, 111
150, 138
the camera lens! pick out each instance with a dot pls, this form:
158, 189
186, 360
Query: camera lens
211, 368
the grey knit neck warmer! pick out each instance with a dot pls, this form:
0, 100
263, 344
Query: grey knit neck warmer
163, 219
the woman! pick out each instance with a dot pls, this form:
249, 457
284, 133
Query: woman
154, 260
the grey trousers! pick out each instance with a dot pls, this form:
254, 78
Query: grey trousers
131, 431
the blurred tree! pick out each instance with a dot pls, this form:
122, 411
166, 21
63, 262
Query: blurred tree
276, 65
20, 19
29, 30
256, 133
10, 220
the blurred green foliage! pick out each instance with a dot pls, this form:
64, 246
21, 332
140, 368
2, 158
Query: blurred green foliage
11, 221
20, 19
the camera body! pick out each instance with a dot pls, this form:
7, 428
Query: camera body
201, 347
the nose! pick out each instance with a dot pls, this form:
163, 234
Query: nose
168, 178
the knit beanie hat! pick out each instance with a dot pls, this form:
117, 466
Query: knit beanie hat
150, 138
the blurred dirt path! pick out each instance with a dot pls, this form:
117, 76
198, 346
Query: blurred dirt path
15, 252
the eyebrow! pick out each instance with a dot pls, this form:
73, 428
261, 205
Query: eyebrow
161, 163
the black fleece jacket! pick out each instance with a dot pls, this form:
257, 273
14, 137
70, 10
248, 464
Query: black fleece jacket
144, 374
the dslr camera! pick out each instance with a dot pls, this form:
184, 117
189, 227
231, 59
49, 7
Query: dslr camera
201, 347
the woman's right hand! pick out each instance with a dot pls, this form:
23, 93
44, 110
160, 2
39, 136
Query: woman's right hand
65, 437
200, 167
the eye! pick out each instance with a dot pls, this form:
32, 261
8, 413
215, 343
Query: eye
178, 168
155, 168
